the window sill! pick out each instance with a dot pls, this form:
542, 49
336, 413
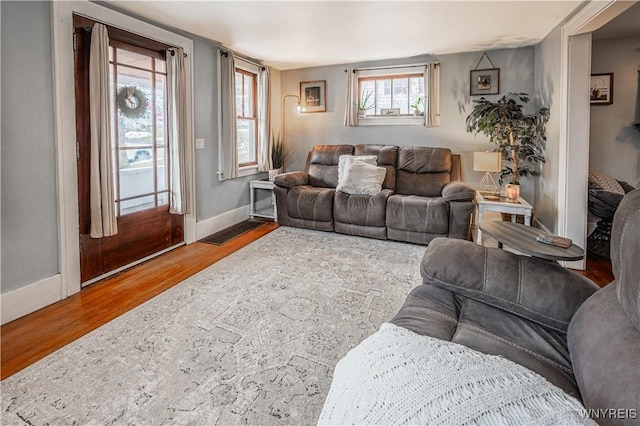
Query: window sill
391, 121
248, 171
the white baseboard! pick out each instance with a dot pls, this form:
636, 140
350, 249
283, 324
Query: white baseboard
28, 299
212, 225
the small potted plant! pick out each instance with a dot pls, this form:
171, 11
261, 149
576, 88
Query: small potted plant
279, 155
365, 104
417, 111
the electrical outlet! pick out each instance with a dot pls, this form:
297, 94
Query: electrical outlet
199, 143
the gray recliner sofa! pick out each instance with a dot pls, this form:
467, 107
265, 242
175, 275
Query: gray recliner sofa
422, 197
551, 320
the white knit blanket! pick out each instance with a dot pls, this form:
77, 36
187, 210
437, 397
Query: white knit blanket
398, 377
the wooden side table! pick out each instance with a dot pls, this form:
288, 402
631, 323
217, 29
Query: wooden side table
269, 212
502, 206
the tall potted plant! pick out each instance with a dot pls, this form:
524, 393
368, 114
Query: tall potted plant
279, 155
519, 136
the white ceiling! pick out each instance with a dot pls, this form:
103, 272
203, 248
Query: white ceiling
299, 34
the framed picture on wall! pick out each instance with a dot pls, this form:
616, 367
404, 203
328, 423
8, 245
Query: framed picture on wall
313, 96
601, 89
485, 82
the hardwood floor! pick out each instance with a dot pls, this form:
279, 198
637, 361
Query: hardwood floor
598, 270
33, 337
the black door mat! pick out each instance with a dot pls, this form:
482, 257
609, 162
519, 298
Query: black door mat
221, 237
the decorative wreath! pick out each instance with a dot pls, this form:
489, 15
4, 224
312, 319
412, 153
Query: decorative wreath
132, 102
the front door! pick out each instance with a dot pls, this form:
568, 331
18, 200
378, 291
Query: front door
140, 156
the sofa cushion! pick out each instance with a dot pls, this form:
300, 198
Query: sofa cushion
387, 158
323, 164
436, 312
458, 191
423, 171
507, 281
625, 247
418, 214
362, 210
604, 347
312, 203
361, 178
347, 159
291, 179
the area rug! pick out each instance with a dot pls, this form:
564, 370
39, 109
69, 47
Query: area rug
253, 339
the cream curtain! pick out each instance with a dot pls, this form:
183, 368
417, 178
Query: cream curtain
264, 119
227, 144
351, 107
103, 206
432, 83
179, 176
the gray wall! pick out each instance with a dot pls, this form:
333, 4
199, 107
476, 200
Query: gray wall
29, 202
305, 130
614, 145
548, 93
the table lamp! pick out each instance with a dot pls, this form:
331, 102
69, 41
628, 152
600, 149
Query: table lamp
488, 162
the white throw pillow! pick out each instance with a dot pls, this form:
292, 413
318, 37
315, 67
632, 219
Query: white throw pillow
362, 178
344, 159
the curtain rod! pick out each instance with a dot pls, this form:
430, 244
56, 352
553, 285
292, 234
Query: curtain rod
226, 54
390, 67
171, 49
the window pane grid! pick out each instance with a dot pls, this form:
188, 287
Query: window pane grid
139, 145
399, 91
246, 118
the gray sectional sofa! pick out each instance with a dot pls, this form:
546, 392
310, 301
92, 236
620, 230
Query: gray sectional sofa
582, 339
422, 197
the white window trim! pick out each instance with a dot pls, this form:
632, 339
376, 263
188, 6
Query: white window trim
254, 69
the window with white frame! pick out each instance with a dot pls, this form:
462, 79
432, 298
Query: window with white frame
398, 95
402, 93
247, 117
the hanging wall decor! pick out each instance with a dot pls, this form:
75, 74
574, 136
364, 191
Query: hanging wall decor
484, 81
132, 102
601, 89
313, 96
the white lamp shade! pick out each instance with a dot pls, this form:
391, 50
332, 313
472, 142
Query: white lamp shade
487, 162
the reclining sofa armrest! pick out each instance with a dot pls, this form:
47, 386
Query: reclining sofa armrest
540, 291
291, 179
458, 191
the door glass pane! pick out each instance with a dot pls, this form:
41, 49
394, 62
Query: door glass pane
136, 178
163, 199
163, 178
160, 106
134, 59
246, 141
137, 204
139, 111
